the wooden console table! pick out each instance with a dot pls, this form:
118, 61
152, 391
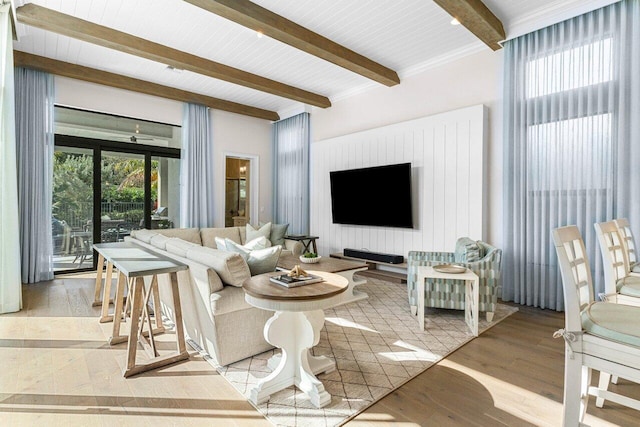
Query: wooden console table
133, 263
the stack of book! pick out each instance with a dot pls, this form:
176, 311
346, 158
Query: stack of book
292, 282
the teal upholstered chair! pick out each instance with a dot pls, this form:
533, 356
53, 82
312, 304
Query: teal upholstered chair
480, 257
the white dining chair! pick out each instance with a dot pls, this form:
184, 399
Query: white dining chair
619, 286
598, 335
629, 245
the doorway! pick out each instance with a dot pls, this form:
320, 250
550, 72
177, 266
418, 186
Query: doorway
240, 190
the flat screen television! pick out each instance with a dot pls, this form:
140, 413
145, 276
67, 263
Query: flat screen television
376, 196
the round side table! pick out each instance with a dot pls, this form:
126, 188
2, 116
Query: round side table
294, 328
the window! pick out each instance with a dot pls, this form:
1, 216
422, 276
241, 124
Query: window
582, 145
570, 69
108, 186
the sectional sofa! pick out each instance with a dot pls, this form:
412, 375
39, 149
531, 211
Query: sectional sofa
215, 314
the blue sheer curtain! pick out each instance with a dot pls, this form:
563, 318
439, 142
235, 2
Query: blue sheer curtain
35, 143
10, 284
291, 147
196, 168
571, 133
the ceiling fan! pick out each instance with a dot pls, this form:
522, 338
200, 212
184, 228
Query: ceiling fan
134, 138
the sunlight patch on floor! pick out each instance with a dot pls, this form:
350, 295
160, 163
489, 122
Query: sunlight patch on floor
519, 402
414, 353
348, 324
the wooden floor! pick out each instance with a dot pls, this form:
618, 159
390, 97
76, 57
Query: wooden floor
56, 369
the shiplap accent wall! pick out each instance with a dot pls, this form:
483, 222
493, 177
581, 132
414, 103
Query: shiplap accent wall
446, 152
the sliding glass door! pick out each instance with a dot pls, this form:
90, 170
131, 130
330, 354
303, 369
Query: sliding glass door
123, 194
72, 208
105, 189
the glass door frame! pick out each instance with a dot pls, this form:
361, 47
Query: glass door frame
98, 146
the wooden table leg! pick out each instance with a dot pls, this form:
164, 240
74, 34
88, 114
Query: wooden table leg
315, 248
182, 347
136, 313
157, 308
96, 300
118, 311
106, 295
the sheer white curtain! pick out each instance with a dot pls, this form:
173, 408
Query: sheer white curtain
10, 285
196, 168
291, 147
571, 137
35, 143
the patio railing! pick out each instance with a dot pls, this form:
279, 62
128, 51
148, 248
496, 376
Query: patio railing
78, 216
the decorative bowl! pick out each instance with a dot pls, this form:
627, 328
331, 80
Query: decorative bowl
450, 268
310, 260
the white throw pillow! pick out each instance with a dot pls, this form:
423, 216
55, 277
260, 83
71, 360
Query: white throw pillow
221, 244
260, 260
252, 233
258, 243
232, 246
264, 260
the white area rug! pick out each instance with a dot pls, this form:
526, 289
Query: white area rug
377, 346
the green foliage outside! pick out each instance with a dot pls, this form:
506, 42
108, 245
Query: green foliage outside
122, 184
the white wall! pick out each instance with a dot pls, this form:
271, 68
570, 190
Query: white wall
475, 79
446, 155
231, 132
244, 136
105, 99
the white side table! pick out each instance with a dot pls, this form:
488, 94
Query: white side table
294, 328
471, 294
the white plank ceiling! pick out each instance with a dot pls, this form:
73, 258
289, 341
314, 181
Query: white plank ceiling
404, 35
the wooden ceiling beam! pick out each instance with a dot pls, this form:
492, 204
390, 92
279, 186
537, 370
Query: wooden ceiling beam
60, 23
257, 18
477, 18
79, 72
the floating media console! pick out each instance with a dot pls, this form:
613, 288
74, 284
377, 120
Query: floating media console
376, 268
374, 256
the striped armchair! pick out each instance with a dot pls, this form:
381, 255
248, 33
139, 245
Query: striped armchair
448, 293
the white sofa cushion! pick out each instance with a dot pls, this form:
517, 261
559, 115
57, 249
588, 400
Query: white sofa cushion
159, 241
179, 247
144, 235
228, 300
208, 235
230, 266
189, 234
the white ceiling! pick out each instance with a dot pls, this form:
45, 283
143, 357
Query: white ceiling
407, 36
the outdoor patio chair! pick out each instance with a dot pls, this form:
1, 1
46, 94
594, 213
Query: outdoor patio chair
598, 335
82, 249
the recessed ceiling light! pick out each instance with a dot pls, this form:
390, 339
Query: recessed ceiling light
259, 34
174, 69
454, 21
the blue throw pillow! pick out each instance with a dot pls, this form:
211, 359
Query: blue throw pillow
467, 250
